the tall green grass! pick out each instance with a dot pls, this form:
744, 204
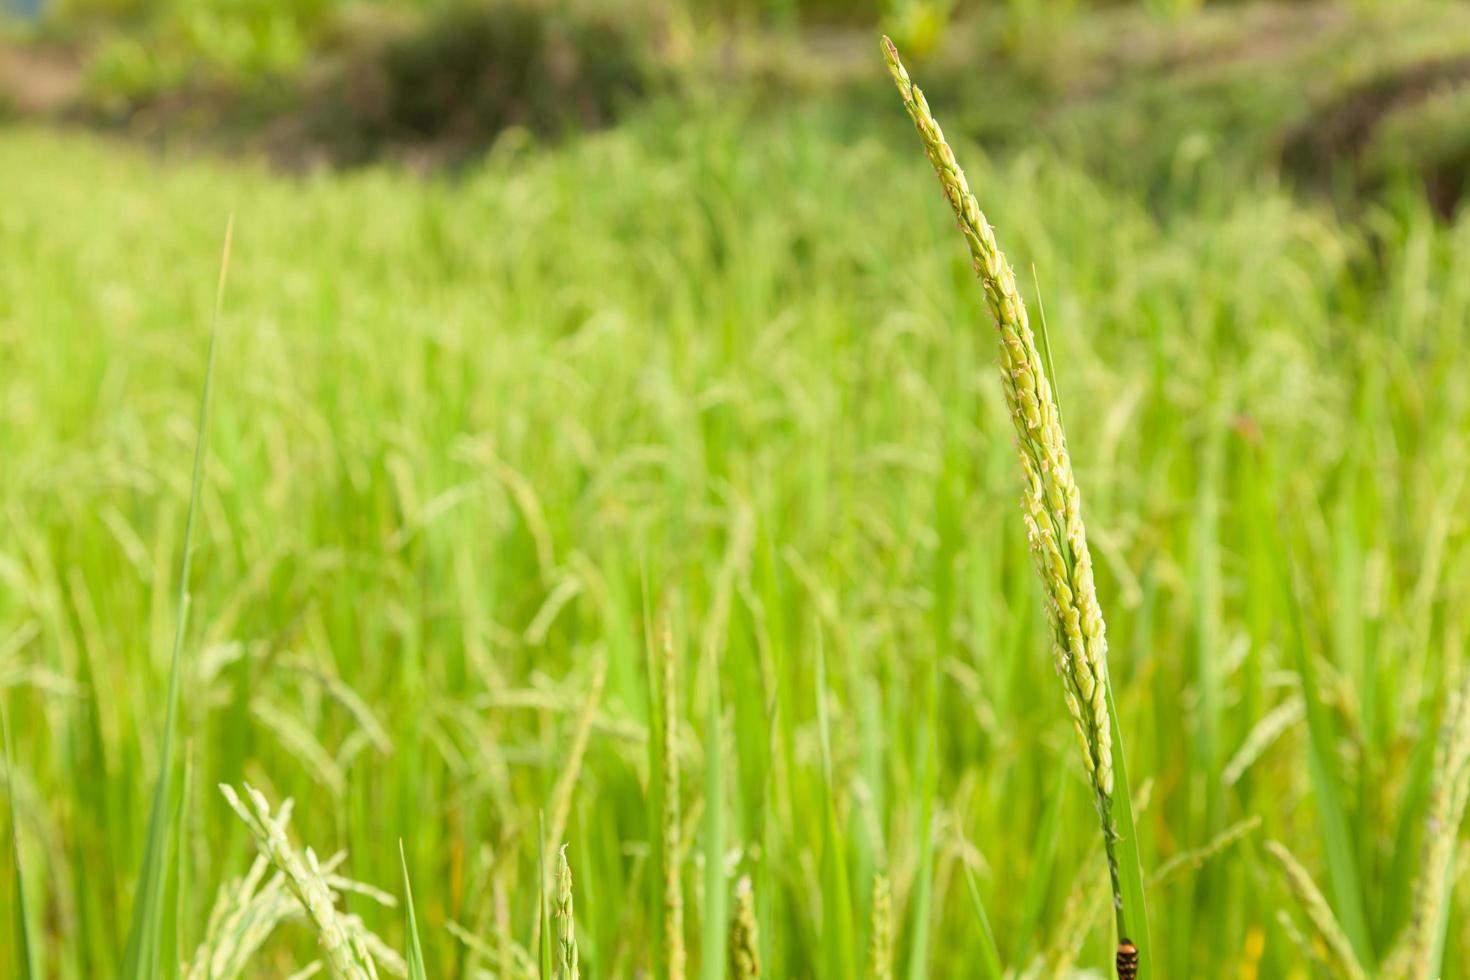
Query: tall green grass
23, 937
141, 959
416, 968
467, 427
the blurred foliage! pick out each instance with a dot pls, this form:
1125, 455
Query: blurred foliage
148, 47
350, 81
1319, 91
1431, 141
917, 25
1138, 92
469, 71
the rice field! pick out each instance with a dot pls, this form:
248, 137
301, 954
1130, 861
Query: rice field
619, 545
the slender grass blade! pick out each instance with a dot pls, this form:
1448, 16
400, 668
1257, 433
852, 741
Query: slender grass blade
989, 951
839, 935
1342, 867
1133, 918
416, 969
27, 953
141, 960
923, 894
712, 929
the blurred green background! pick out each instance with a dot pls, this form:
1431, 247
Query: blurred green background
545, 317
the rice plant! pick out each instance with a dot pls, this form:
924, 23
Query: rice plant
141, 959
880, 952
649, 492
564, 956
667, 765
1051, 509
416, 968
744, 942
349, 950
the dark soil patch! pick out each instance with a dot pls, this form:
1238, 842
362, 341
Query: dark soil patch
1336, 136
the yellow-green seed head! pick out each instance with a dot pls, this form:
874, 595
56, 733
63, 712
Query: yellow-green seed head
1051, 503
564, 921
745, 960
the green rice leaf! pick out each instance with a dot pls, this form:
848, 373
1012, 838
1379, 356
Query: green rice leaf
144, 935
990, 952
839, 935
1043, 862
1133, 919
27, 953
415, 957
712, 928
923, 896
1342, 867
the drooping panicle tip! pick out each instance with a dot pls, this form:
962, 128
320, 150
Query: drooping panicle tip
895, 64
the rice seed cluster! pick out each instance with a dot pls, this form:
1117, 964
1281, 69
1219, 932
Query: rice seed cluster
566, 966
1331, 943
246, 911
348, 949
1418, 955
880, 955
1051, 503
745, 960
1418, 952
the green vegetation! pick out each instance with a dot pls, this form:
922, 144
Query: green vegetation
1052, 507
642, 508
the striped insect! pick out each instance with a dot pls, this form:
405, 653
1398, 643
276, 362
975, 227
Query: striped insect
1127, 960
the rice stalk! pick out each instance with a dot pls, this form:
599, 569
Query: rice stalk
1052, 503
507, 961
245, 912
416, 968
571, 771
301, 744
712, 923
880, 948
1051, 507
675, 956
1422, 950
182, 908
1310, 952
140, 961
370, 945
27, 953
990, 953
562, 917
1083, 907
1332, 942
745, 958
510, 958
1261, 736
1194, 859
541, 931
344, 943
837, 927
